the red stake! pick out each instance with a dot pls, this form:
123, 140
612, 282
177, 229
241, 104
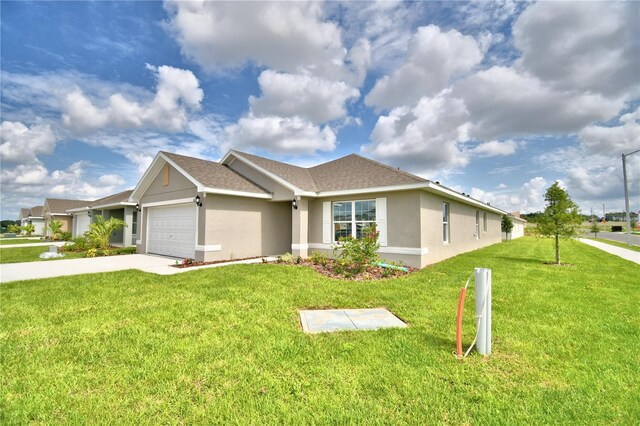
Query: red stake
463, 293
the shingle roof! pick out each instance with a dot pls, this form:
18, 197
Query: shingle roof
355, 172
214, 175
36, 211
350, 172
120, 197
24, 213
298, 176
60, 206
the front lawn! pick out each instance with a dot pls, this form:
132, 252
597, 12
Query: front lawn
224, 345
7, 241
30, 254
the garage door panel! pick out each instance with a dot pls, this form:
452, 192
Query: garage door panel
172, 230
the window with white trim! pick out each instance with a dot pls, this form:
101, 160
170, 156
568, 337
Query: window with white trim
484, 221
350, 218
477, 224
445, 222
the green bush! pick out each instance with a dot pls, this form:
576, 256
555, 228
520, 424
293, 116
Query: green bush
357, 253
319, 258
65, 236
286, 258
92, 253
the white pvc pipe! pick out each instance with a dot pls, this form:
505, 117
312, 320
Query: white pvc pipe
483, 310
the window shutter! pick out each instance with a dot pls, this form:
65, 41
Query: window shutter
326, 222
381, 220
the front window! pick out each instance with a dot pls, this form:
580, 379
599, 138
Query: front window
445, 222
350, 218
134, 223
484, 221
477, 224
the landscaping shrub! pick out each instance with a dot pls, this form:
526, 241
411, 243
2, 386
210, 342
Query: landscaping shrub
286, 258
92, 252
357, 253
319, 258
65, 236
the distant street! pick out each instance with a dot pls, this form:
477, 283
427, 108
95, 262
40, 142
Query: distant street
616, 236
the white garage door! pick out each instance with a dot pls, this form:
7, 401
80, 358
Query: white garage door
171, 230
82, 223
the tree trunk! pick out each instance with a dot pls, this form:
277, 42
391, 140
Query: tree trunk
557, 250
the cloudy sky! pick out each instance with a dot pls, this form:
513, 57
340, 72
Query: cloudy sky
498, 100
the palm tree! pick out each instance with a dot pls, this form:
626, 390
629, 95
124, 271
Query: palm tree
55, 226
100, 231
29, 229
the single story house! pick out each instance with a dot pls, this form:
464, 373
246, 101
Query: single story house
116, 205
246, 205
518, 227
34, 217
56, 209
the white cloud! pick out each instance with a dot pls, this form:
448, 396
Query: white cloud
495, 148
111, 180
434, 57
280, 135
613, 140
526, 199
285, 36
501, 186
177, 91
313, 98
586, 46
425, 138
503, 102
22, 144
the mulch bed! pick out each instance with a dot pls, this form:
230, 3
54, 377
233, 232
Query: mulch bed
213, 262
370, 273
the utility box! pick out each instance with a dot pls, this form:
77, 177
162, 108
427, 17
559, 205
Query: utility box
483, 310
53, 249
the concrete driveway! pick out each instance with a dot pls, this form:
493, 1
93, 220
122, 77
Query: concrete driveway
59, 268
144, 262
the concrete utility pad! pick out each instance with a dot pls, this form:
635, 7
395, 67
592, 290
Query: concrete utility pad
319, 321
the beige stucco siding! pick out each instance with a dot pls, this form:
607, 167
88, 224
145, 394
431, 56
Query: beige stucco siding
245, 227
279, 192
462, 226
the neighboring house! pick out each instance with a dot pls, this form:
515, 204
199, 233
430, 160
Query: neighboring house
518, 227
56, 209
116, 205
32, 216
253, 206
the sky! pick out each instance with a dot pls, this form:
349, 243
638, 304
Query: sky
494, 99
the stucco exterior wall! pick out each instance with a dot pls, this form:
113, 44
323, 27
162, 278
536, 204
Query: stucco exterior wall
244, 227
179, 187
462, 228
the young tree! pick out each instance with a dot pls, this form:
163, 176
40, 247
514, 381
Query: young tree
595, 228
560, 218
55, 226
506, 225
29, 229
100, 231
13, 228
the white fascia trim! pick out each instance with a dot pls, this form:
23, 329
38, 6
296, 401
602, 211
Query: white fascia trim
209, 248
459, 197
413, 251
518, 218
169, 202
418, 185
265, 172
115, 205
299, 246
237, 193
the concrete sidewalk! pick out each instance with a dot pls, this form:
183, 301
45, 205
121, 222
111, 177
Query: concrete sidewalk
144, 262
624, 253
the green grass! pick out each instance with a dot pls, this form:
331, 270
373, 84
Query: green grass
224, 345
615, 243
30, 254
6, 241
